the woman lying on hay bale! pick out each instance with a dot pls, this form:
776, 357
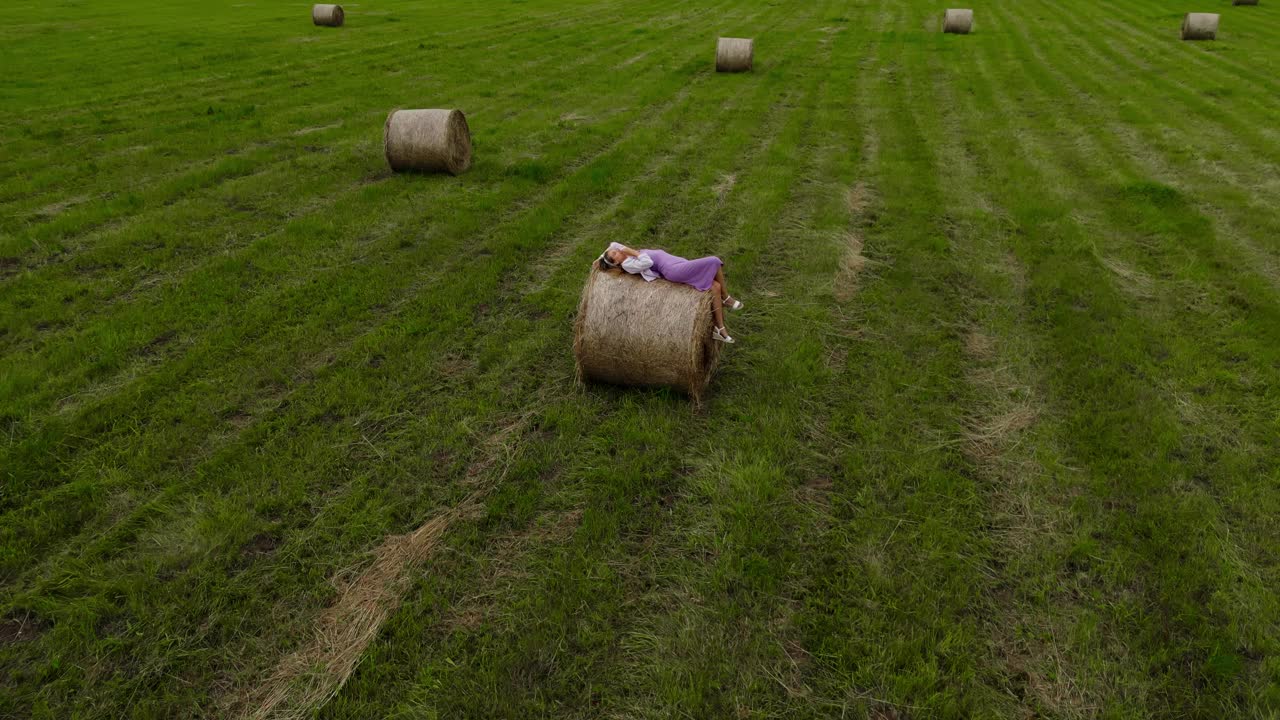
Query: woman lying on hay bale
703, 274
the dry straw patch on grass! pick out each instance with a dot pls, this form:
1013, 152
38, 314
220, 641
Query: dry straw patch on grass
304, 681
310, 677
993, 440
853, 261
725, 186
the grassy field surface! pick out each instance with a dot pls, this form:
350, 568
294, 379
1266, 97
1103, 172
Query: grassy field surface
288, 435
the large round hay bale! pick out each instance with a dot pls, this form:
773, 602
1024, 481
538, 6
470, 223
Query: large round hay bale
329, 15
633, 332
1200, 26
957, 21
427, 141
734, 54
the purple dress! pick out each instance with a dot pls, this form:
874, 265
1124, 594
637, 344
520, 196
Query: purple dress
699, 273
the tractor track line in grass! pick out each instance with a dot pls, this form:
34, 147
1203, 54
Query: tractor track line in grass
1067, 607
1002, 436
891, 528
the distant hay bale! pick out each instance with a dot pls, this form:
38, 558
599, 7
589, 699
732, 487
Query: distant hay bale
734, 54
633, 332
427, 141
1244, 2
957, 21
1200, 26
330, 15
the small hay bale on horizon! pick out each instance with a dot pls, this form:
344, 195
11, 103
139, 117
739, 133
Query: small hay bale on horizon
427, 141
647, 334
1200, 26
957, 21
328, 15
735, 54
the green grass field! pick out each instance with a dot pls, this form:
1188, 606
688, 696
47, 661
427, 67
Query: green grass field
288, 435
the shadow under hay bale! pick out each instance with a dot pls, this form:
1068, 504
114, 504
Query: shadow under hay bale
735, 54
650, 334
957, 21
327, 15
427, 141
1200, 26
1244, 2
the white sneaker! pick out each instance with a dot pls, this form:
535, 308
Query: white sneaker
722, 335
731, 303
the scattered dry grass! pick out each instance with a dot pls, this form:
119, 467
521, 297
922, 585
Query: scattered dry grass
308, 678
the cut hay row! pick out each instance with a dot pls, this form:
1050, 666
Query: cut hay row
306, 680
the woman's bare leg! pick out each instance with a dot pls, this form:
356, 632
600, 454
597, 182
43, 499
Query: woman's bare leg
717, 305
724, 289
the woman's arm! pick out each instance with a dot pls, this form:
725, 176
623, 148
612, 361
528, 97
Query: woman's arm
637, 264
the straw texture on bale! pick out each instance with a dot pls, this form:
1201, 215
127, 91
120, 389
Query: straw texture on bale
1200, 26
633, 332
957, 21
427, 141
734, 54
330, 15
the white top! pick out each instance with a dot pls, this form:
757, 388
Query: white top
639, 265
